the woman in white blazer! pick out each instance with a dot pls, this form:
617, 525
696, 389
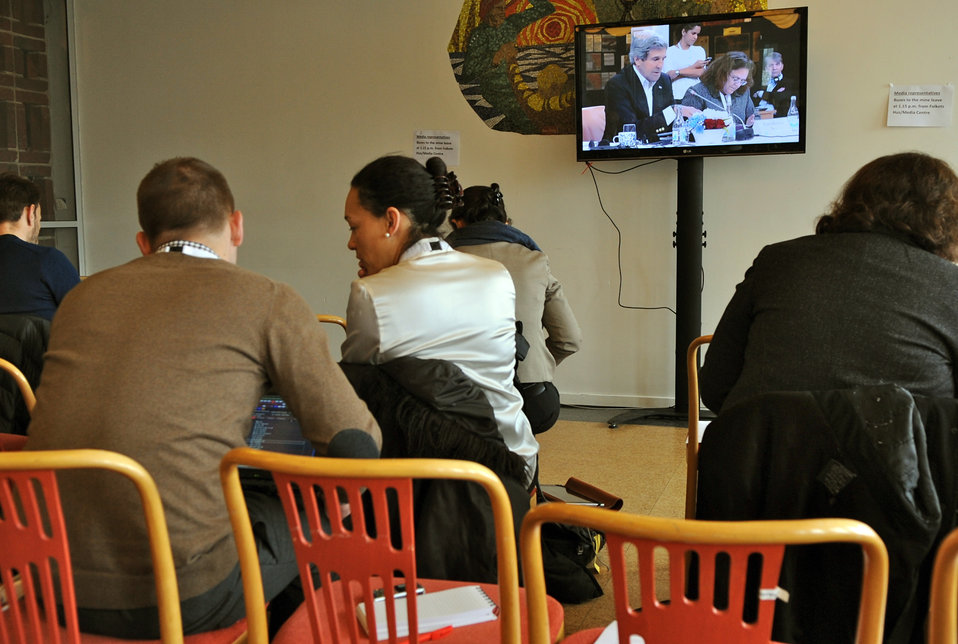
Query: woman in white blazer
416, 296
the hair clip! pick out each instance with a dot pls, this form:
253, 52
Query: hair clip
448, 191
495, 197
455, 189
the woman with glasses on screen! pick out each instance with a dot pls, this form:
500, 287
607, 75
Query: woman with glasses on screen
724, 87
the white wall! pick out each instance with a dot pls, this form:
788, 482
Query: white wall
289, 99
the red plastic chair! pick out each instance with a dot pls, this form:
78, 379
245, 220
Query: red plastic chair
35, 555
363, 563
12, 442
684, 619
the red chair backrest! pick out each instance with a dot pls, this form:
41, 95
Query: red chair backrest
34, 543
700, 553
12, 442
718, 611
359, 550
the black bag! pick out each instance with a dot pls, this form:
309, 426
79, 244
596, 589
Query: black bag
568, 557
522, 345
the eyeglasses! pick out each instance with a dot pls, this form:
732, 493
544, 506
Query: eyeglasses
737, 80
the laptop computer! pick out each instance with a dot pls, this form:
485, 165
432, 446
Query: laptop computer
273, 428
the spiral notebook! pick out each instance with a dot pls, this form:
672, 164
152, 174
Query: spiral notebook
454, 607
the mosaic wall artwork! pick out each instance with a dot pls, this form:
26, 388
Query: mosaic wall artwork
513, 59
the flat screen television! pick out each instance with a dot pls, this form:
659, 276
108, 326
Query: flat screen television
734, 109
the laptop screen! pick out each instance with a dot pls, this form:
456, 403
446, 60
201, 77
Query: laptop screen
274, 429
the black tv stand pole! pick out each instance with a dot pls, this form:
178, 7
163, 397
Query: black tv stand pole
688, 290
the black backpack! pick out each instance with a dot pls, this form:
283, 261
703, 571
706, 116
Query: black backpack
568, 557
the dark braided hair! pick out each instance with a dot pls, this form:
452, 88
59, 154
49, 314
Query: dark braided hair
424, 194
480, 203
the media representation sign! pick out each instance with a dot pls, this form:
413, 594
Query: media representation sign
437, 143
920, 105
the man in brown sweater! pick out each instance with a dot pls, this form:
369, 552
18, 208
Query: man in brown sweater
164, 359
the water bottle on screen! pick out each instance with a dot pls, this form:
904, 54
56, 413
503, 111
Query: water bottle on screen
793, 116
680, 133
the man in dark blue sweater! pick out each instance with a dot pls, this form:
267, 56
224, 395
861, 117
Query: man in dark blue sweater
35, 278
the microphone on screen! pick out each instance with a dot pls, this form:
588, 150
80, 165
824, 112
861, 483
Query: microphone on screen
352, 443
721, 107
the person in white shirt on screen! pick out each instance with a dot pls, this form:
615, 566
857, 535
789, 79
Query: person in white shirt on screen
685, 61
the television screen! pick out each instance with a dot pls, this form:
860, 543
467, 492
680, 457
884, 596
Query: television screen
726, 84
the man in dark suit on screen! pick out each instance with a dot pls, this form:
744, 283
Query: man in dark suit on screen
641, 93
777, 94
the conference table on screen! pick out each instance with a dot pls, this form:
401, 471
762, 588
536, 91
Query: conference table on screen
768, 130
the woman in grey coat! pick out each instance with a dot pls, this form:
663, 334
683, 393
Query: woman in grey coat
483, 228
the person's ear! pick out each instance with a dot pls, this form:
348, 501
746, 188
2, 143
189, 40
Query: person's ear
143, 242
29, 214
393, 220
236, 228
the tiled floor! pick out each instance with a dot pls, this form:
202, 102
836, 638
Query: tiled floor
643, 464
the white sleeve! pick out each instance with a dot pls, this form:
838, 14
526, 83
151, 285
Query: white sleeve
362, 343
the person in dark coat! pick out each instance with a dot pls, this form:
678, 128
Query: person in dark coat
627, 94
870, 299
777, 94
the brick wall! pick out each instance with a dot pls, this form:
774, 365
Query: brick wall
24, 100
